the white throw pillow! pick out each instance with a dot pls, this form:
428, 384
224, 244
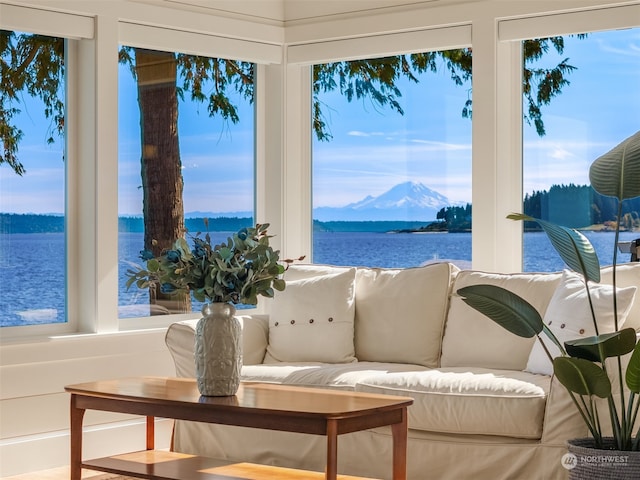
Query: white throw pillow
471, 338
312, 320
568, 316
400, 313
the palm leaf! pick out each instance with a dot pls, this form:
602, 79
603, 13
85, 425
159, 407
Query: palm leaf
582, 376
633, 370
572, 246
613, 344
617, 172
505, 308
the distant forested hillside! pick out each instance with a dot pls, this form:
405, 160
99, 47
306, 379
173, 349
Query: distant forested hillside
579, 206
453, 219
31, 223
193, 225
364, 226
575, 206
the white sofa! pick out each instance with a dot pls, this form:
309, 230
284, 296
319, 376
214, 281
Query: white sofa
478, 412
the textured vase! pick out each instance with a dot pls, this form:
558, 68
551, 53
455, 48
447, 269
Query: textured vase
586, 462
218, 350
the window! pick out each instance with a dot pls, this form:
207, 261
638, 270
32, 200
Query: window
392, 160
593, 113
32, 180
194, 169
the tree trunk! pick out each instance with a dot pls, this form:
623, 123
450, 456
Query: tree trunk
162, 182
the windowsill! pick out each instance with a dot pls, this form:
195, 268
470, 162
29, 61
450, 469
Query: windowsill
134, 328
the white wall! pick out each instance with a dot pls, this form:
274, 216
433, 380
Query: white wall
34, 409
34, 369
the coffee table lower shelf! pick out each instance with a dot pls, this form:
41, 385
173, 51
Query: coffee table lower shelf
163, 465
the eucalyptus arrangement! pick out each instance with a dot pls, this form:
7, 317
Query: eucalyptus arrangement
582, 366
236, 271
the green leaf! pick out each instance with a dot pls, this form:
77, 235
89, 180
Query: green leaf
633, 370
505, 308
130, 282
181, 245
153, 265
613, 344
582, 376
617, 172
226, 253
279, 284
547, 331
572, 246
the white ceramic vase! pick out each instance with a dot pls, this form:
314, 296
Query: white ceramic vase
218, 350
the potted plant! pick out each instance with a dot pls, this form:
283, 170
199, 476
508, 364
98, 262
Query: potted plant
582, 366
234, 272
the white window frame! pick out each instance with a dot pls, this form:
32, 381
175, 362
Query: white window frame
298, 140
283, 55
75, 29
510, 34
92, 151
264, 55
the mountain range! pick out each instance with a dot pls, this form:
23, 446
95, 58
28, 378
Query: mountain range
408, 201
405, 201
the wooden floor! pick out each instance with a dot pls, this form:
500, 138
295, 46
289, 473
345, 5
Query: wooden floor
62, 474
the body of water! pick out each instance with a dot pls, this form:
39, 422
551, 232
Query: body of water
33, 288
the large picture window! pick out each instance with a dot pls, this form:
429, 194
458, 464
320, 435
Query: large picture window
597, 109
186, 160
32, 180
392, 160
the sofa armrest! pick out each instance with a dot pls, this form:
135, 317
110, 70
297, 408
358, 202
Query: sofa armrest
180, 340
562, 421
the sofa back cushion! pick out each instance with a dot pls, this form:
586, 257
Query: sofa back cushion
569, 317
470, 338
301, 271
627, 275
312, 320
400, 313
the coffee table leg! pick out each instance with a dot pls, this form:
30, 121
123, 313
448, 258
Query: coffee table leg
399, 432
151, 437
332, 450
77, 414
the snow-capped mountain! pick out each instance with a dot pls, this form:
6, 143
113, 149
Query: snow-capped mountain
405, 201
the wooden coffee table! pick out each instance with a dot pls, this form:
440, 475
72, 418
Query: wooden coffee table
258, 405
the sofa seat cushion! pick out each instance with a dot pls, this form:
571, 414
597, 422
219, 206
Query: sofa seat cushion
322, 375
469, 400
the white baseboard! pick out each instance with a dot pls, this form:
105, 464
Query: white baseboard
43, 451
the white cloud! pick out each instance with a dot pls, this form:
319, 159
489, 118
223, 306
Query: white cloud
561, 154
442, 146
628, 50
358, 133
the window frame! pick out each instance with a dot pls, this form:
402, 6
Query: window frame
510, 34
197, 43
92, 278
283, 53
301, 58
74, 29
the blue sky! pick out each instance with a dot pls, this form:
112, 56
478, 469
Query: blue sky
372, 148
372, 151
